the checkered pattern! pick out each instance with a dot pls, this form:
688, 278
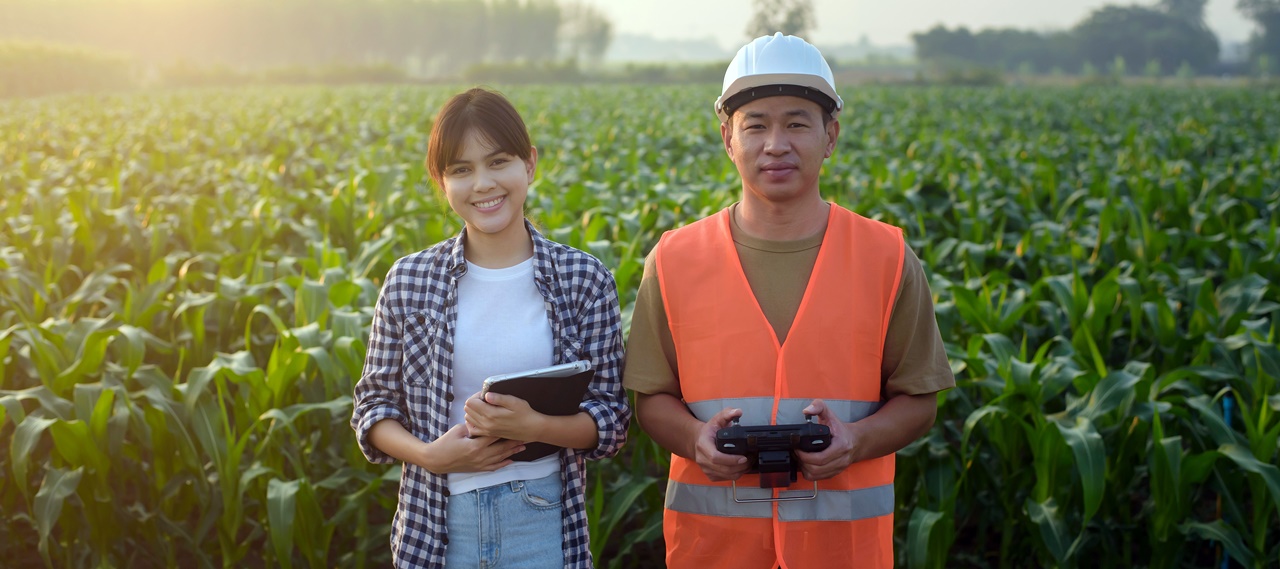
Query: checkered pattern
408, 377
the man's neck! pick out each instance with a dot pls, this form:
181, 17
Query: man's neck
787, 221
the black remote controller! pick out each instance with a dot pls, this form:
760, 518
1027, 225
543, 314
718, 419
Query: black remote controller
770, 449
808, 437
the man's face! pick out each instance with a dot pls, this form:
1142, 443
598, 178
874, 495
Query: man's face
778, 145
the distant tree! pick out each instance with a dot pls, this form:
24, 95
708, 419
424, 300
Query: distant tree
1141, 34
940, 44
1190, 11
585, 32
523, 30
1009, 48
1254, 8
791, 17
1265, 43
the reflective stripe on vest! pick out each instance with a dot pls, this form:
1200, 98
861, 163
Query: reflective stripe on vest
728, 356
830, 505
759, 410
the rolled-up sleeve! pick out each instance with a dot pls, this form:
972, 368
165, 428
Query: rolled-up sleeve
379, 394
600, 327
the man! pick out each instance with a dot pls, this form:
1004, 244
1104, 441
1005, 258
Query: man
780, 307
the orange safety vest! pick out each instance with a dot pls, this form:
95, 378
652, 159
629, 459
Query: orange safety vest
728, 356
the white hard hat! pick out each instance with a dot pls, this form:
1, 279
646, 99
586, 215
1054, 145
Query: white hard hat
778, 65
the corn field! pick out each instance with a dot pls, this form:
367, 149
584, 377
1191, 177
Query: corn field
188, 283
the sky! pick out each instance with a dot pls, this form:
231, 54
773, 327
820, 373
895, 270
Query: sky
884, 22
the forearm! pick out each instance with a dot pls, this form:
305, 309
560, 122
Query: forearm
390, 437
669, 422
570, 431
901, 420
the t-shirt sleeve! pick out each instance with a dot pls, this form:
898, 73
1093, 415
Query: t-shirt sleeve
915, 358
651, 352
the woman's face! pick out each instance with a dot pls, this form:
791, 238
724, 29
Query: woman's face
486, 186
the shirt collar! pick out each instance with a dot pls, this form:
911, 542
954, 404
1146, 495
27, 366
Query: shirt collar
543, 265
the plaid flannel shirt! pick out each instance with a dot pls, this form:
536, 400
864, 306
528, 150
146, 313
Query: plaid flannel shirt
408, 377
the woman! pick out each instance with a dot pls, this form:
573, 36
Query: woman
497, 298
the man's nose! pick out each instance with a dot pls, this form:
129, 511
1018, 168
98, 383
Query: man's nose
776, 142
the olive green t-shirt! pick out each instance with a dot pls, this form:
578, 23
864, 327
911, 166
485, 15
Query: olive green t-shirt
914, 360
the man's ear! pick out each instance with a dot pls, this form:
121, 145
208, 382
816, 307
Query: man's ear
726, 135
833, 132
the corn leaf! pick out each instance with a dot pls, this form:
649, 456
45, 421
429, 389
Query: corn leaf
282, 500
1091, 460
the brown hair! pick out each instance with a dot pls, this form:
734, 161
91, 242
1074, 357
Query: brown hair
486, 111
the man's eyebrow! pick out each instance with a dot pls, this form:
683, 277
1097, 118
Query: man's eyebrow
790, 113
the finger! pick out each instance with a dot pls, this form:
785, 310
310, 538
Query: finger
724, 417
710, 454
499, 399
821, 474
722, 475
457, 431
484, 440
817, 407
472, 404
475, 428
815, 462
728, 460
507, 446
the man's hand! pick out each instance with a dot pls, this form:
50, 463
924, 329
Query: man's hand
832, 461
715, 464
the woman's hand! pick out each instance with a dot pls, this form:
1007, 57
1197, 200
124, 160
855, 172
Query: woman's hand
504, 416
455, 451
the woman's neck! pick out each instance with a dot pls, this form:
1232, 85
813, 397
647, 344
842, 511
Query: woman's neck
499, 250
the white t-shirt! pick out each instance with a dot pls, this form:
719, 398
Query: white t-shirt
502, 327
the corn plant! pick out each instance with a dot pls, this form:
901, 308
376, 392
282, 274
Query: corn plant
188, 281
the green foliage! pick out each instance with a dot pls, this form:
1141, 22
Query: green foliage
32, 68
188, 281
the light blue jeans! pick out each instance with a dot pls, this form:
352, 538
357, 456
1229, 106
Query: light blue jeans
513, 524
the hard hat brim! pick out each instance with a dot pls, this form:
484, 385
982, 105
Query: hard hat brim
821, 89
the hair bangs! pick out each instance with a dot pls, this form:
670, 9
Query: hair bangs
486, 112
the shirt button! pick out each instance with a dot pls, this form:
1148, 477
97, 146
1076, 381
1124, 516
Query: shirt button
446, 492
445, 540
448, 397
